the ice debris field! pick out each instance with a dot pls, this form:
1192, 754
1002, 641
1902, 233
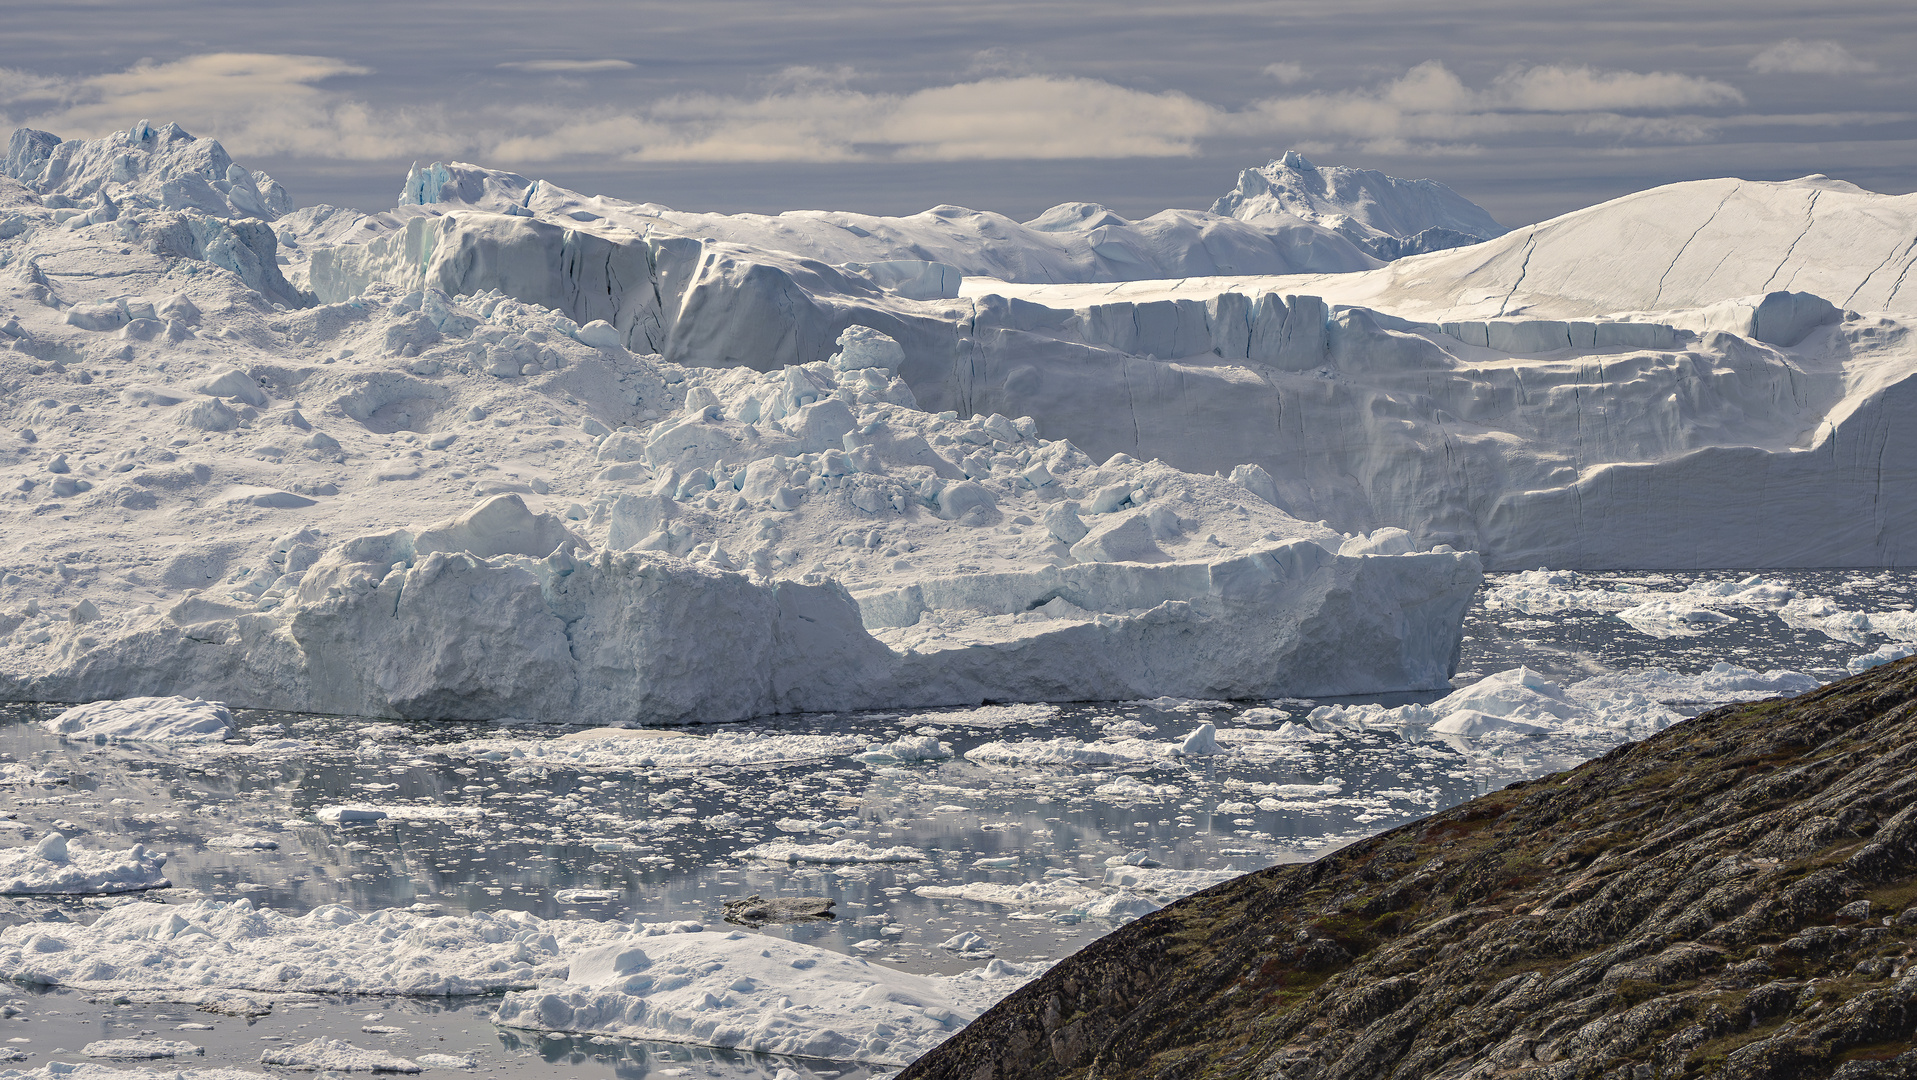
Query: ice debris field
514, 454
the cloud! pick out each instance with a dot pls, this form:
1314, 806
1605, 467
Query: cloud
1285, 71
254, 103
1001, 60
1794, 57
1555, 88
17, 87
567, 67
1431, 108
294, 105
1030, 117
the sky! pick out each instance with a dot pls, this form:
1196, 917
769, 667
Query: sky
1531, 109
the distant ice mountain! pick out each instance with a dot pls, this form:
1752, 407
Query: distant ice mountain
144, 166
1386, 216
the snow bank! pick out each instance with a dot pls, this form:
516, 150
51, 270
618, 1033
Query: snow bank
759, 994
53, 866
146, 719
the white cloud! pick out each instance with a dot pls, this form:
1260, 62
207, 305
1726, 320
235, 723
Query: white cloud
1556, 88
1794, 57
261, 104
1031, 117
1432, 108
17, 87
1285, 71
567, 67
254, 103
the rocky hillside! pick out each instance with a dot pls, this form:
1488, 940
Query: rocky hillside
1732, 897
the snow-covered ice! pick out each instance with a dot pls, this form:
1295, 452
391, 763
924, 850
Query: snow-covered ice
140, 1049
836, 852
146, 719
233, 945
751, 992
336, 1055
342, 481
53, 866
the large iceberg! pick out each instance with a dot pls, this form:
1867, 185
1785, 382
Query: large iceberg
1598, 390
425, 505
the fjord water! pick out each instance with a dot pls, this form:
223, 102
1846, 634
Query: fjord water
650, 843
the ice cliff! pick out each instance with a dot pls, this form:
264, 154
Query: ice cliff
1579, 393
326, 509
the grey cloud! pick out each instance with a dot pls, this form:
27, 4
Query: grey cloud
566, 67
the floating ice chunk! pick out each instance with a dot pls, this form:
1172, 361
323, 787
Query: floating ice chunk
1132, 789
445, 1061
218, 947
335, 1055
620, 748
1519, 694
967, 943
1883, 654
587, 896
1167, 882
350, 814
146, 719
1681, 617
837, 852
1472, 723
1063, 894
1060, 751
54, 867
141, 1049
907, 748
760, 994
242, 842
1200, 742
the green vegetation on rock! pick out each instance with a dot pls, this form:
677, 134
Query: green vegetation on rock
1732, 897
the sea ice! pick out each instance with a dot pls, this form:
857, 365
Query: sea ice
836, 852
146, 719
53, 866
335, 1055
756, 993
140, 1049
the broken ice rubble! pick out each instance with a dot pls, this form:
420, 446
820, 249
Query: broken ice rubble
55, 867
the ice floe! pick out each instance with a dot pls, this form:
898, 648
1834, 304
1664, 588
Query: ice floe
146, 719
751, 992
53, 866
835, 853
335, 1055
141, 1049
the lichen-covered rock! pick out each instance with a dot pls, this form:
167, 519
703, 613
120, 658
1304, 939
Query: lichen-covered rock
1731, 897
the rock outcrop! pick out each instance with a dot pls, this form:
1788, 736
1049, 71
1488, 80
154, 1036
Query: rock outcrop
1732, 897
